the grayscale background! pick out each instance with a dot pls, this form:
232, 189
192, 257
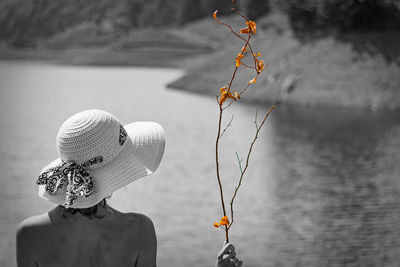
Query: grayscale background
323, 186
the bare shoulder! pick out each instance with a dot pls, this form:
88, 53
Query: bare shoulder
33, 224
27, 235
132, 219
141, 227
138, 218
139, 222
145, 237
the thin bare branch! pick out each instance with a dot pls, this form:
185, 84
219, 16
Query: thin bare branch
247, 66
255, 119
227, 126
217, 160
240, 14
239, 162
231, 29
248, 158
230, 224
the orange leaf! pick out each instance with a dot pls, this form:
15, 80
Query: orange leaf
225, 95
244, 30
260, 65
215, 14
252, 26
238, 60
216, 225
253, 80
224, 221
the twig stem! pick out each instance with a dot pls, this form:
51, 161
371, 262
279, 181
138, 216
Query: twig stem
242, 172
217, 167
228, 125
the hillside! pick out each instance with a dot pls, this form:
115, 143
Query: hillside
324, 72
29, 23
332, 69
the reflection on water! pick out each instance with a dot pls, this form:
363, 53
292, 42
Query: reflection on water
322, 188
339, 186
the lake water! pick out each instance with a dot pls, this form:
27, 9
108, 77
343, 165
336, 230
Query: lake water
323, 187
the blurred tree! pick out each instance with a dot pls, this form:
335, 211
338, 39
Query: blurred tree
25, 23
255, 8
148, 14
345, 15
166, 13
223, 7
357, 15
191, 10
134, 9
28, 22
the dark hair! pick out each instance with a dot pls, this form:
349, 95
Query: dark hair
91, 212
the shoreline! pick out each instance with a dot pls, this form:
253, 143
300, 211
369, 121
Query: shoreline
325, 73
101, 57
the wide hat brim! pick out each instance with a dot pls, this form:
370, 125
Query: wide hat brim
140, 157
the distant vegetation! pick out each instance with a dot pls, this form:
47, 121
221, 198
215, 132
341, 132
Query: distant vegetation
322, 72
344, 15
29, 22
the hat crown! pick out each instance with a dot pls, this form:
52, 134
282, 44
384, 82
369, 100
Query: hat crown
127, 153
88, 135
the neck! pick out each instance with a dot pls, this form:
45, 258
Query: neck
99, 211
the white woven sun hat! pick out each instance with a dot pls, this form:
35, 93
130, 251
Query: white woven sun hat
113, 155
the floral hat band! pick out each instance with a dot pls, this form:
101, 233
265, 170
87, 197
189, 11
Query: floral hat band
76, 176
